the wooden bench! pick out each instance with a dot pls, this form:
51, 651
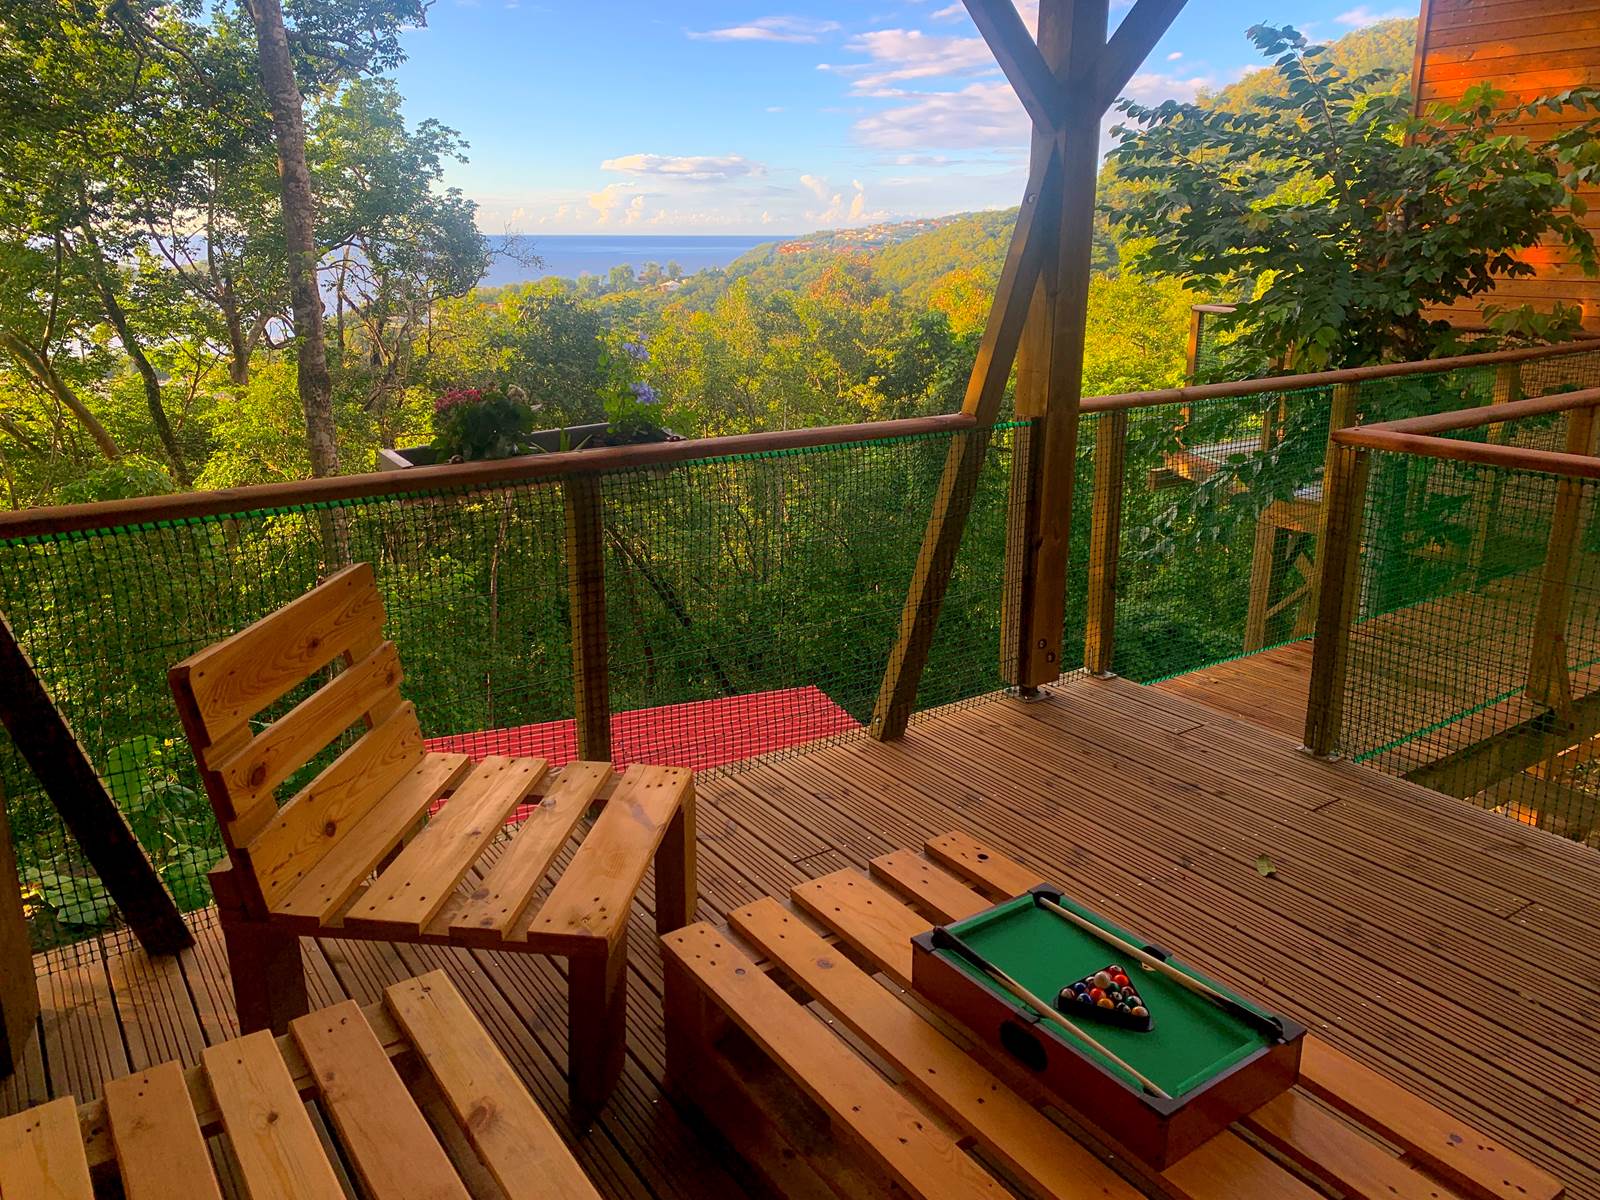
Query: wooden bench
794, 1033
412, 1100
349, 854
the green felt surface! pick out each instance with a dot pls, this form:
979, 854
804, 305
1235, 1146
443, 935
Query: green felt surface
1192, 1040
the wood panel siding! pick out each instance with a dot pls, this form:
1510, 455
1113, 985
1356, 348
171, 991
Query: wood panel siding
1527, 49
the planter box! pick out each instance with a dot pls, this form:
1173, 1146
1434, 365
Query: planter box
576, 437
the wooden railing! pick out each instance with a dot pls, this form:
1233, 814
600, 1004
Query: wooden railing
1546, 681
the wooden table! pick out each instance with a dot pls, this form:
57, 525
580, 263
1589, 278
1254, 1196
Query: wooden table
871, 1094
412, 1100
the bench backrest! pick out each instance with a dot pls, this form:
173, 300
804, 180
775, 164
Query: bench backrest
222, 690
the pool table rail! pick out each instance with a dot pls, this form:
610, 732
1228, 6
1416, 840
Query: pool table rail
793, 1032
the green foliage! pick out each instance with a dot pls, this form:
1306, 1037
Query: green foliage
1341, 217
469, 425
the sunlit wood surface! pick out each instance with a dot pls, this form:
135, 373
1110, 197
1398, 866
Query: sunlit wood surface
1450, 948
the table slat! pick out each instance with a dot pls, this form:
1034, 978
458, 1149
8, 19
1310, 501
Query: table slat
892, 1130
1036, 1149
277, 1148
872, 921
157, 1136
938, 891
41, 1154
982, 865
383, 1134
509, 1131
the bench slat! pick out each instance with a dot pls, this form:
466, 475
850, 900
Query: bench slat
380, 1127
1228, 1168
342, 870
415, 886
1469, 1161
498, 903
157, 1137
278, 1151
1323, 1145
251, 774
964, 855
236, 678
41, 1154
917, 879
594, 894
509, 1131
322, 814
861, 1104
1037, 1150
868, 918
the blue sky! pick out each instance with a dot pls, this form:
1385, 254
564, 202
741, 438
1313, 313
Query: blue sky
735, 116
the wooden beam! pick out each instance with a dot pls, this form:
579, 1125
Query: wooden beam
47, 743
1145, 24
1344, 511
1041, 626
1475, 768
1548, 682
1019, 57
19, 997
1105, 541
964, 460
586, 598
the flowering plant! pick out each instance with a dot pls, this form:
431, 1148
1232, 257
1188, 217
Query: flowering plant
474, 423
632, 405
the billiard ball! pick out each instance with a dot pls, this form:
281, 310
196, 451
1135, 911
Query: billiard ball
1102, 980
1140, 1010
1096, 994
1105, 1002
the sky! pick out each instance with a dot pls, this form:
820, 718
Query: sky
746, 117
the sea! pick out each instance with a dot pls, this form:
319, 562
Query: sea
572, 255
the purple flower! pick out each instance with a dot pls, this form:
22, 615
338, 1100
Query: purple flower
636, 351
644, 393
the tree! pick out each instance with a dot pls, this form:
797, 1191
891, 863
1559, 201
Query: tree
299, 232
1340, 217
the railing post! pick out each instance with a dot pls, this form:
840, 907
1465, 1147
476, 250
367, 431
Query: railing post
586, 593
1548, 683
1507, 387
1344, 493
1105, 540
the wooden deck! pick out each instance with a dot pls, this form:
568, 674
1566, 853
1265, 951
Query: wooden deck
1268, 688
1443, 945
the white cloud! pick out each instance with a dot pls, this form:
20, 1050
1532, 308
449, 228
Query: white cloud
1363, 15
902, 54
1175, 56
769, 29
981, 114
953, 13
700, 167
818, 187
607, 201
1147, 87
635, 211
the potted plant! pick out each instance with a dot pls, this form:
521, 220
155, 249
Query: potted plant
481, 423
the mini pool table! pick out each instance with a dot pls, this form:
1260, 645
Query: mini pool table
1214, 1064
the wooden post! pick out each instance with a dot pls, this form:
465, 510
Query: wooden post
1507, 387
1548, 682
1191, 356
19, 997
1105, 540
1071, 37
586, 594
58, 760
1095, 71
1344, 496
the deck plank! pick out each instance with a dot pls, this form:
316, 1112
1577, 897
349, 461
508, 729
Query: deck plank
1449, 892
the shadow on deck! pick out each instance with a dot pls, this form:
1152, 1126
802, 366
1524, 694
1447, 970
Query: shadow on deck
1437, 943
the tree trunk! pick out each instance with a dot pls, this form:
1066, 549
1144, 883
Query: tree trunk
130, 345
299, 228
43, 373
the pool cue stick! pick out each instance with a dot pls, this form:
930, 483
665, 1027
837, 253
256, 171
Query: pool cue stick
1021, 993
1150, 960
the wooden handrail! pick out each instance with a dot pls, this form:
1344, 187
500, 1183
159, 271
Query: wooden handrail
1419, 435
68, 518
1294, 383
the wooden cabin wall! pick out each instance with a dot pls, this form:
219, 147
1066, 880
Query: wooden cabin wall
1528, 49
